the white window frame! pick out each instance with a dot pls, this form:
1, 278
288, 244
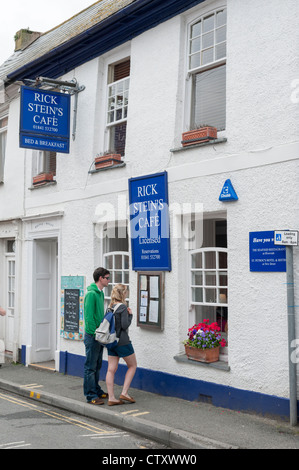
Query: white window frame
192, 72
125, 272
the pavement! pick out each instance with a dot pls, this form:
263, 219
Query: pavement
173, 422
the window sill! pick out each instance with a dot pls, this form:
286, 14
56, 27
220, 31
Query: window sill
221, 365
203, 144
42, 185
112, 167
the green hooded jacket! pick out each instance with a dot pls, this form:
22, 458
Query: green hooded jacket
93, 308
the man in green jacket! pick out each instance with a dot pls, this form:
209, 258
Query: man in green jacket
93, 315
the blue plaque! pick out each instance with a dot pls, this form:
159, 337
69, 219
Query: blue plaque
264, 254
149, 223
44, 120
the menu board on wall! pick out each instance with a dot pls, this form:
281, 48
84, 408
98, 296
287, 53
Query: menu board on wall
72, 298
150, 310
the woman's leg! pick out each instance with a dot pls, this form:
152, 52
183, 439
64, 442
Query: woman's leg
132, 366
112, 368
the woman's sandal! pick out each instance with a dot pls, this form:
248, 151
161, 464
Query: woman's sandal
129, 399
112, 403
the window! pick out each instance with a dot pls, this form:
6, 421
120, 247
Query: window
116, 255
117, 109
3, 138
207, 67
44, 162
209, 276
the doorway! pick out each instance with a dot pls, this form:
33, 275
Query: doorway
44, 300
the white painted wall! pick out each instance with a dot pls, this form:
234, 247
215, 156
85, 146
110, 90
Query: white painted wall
260, 156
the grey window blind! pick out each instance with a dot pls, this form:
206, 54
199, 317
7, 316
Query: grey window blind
209, 98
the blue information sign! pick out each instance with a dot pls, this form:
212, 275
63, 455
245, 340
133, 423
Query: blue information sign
149, 223
264, 255
44, 120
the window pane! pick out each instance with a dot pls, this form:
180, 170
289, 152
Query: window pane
118, 277
207, 56
118, 262
197, 294
195, 61
126, 277
109, 262
196, 29
221, 18
208, 40
208, 23
220, 51
223, 278
210, 260
210, 98
197, 278
210, 278
195, 45
197, 260
211, 295
221, 34
223, 260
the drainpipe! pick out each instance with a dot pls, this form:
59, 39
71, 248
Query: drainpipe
291, 335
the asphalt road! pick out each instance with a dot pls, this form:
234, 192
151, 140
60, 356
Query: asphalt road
26, 424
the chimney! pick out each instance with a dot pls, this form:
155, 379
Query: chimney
24, 38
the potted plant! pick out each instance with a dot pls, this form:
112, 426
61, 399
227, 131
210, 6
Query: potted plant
204, 342
42, 178
108, 158
202, 133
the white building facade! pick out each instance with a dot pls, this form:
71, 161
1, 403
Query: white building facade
232, 65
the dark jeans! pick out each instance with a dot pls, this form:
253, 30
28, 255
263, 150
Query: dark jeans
92, 366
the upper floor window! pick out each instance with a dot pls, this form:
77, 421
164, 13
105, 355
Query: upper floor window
207, 67
3, 139
117, 109
44, 162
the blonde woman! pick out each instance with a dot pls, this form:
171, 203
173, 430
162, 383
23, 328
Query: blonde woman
124, 349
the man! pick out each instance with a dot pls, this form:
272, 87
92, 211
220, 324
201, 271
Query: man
93, 315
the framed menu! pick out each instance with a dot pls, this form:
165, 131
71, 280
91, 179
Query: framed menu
150, 304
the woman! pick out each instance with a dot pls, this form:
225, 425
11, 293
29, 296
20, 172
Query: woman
124, 348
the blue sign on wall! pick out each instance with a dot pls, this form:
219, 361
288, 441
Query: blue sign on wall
228, 192
149, 223
44, 120
264, 255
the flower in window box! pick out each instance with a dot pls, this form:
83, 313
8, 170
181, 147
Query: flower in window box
107, 160
204, 342
198, 136
42, 178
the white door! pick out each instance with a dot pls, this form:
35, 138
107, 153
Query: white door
10, 302
44, 301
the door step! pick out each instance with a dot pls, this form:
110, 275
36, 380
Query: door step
48, 366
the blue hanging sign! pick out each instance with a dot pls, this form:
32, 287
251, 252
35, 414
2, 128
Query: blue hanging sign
264, 255
228, 193
149, 223
44, 120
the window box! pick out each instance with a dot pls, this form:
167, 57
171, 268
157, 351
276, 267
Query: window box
42, 178
200, 135
108, 160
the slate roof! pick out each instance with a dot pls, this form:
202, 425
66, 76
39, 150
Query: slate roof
62, 33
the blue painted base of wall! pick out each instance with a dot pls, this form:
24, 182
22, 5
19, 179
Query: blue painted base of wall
188, 389
182, 387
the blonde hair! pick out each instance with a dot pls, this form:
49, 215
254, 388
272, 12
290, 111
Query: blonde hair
118, 294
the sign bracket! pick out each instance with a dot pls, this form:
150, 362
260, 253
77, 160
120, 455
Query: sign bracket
71, 87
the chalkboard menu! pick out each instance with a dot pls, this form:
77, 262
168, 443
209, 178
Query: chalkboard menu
71, 310
72, 298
